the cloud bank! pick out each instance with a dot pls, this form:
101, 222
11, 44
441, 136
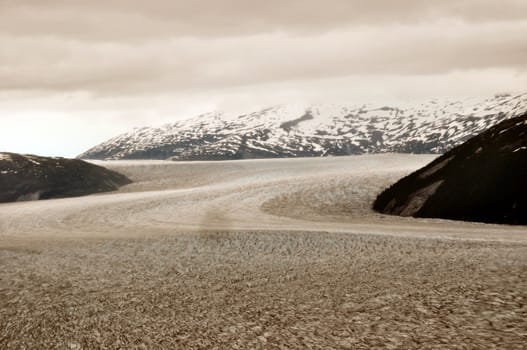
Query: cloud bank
132, 62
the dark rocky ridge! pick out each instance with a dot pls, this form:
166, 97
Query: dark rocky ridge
29, 177
484, 180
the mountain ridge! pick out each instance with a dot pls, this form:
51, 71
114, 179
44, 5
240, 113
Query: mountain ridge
25, 177
313, 131
481, 180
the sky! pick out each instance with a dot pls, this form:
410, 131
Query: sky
74, 73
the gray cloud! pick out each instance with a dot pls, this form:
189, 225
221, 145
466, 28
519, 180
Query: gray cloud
138, 19
48, 63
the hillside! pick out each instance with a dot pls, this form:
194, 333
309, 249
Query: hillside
313, 131
482, 180
29, 177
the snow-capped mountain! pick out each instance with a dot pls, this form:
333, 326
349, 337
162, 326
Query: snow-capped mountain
321, 130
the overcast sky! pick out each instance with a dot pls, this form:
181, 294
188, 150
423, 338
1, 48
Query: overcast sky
76, 72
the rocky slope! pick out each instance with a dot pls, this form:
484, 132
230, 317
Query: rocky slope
29, 177
432, 127
482, 180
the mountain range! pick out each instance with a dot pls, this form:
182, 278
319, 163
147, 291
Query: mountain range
434, 126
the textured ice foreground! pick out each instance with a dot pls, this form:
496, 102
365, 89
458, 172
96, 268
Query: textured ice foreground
256, 254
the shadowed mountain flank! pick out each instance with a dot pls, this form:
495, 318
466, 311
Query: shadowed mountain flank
288, 125
482, 180
29, 177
